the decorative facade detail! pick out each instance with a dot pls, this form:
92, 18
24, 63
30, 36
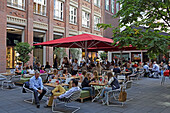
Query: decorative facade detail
86, 9
73, 32
40, 25
16, 20
74, 3
58, 29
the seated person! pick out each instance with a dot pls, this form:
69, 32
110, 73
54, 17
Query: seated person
31, 70
116, 69
18, 68
36, 85
86, 85
47, 66
82, 76
59, 92
42, 70
146, 69
24, 71
55, 74
112, 82
155, 67
95, 76
65, 73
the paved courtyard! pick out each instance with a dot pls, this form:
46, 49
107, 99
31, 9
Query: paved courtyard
148, 97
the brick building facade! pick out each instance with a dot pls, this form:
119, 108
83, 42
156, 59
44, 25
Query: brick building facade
35, 21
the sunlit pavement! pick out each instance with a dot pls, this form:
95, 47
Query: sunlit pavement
148, 97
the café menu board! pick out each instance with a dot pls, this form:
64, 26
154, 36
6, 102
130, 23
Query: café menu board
136, 56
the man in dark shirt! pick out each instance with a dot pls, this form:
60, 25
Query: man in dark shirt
116, 69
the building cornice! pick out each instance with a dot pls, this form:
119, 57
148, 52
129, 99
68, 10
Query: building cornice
16, 20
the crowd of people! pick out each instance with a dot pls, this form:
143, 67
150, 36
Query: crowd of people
87, 72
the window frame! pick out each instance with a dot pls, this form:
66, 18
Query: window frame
113, 6
86, 19
58, 9
107, 5
41, 11
97, 3
10, 3
74, 15
96, 22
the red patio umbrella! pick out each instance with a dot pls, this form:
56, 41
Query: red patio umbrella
114, 48
83, 41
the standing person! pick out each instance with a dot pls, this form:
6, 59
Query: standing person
36, 85
112, 82
55, 63
99, 68
75, 67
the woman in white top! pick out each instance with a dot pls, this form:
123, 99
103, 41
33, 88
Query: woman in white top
31, 70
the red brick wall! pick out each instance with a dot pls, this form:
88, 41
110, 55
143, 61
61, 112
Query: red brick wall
3, 22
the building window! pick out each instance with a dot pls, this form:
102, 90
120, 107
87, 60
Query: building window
96, 21
85, 19
97, 3
58, 9
107, 5
117, 7
87, 0
16, 3
73, 15
40, 7
112, 6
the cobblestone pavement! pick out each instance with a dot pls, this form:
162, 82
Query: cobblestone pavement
148, 97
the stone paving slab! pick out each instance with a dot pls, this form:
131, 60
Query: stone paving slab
148, 97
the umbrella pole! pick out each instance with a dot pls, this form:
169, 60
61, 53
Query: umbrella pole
86, 51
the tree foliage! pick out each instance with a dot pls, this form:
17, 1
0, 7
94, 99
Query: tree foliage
103, 55
143, 21
24, 49
60, 53
75, 52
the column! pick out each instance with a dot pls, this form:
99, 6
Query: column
3, 24
92, 17
79, 16
66, 21
29, 28
102, 13
49, 36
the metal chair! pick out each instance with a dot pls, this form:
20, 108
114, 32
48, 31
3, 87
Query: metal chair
115, 95
2, 78
12, 81
44, 77
74, 96
27, 90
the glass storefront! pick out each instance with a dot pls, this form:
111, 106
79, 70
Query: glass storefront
125, 56
14, 36
136, 57
38, 50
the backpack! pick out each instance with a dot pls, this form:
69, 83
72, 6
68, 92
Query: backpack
122, 95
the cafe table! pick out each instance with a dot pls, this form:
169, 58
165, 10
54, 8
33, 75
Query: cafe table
8, 76
125, 72
55, 84
99, 90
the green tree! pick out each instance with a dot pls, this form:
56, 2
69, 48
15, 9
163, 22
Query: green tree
75, 52
152, 15
103, 55
24, 49
60, 53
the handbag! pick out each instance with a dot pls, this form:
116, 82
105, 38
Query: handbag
122, 95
